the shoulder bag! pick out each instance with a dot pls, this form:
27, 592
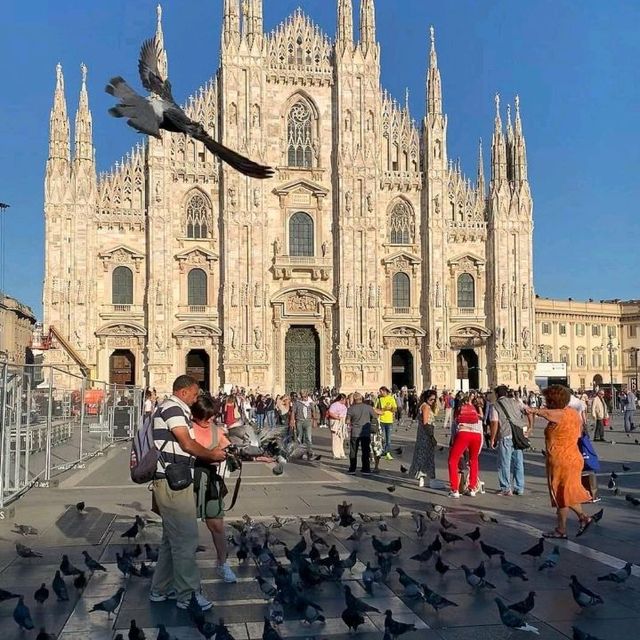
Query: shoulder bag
520, 441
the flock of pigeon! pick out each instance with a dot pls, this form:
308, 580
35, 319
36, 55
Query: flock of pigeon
288, 581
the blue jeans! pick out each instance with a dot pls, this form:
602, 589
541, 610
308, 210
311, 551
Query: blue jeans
510, 466
259, 420
386, 429
628, 420
270, 418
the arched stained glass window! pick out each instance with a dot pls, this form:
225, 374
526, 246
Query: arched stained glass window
198, 219
299, 136
122, 286
401, 224
401, 291
466, 291
197, 287
301, 235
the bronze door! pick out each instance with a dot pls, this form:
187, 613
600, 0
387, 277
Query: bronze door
301, 359
122, 367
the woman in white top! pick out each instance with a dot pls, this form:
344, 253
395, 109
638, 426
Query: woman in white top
336, 414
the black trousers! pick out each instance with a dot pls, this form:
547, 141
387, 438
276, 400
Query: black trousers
598, 432
365, 442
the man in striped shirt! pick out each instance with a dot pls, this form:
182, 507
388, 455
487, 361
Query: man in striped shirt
176, 575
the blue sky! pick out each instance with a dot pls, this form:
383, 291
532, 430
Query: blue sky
574, 65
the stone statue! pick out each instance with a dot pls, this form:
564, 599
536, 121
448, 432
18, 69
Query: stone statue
504, 338
437, 295
78, 338
438, 338
348, 337
232, 196
277, 247
232, 338
436, 205
503, 296
234, 301
372, 338
256, 197
159, 293
525, 338
369, 202
325, 248
347, 201
347, 296
158, 339
256, 295
257, 338
525, 297
372, 296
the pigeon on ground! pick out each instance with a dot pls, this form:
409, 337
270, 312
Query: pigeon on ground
450, 537
490, 551
551, 560
26, 552
392, 546
311, 614
316, 539
421, 527
441, 567
583, 596
25, 529
91, 564
131, 532
43, 635
42, 594
618, 576
487, 518
597, 516
526, 605
474, 580
268, 632
634, 501
352, 618
222, 631
611, 484
436, 600
536, 551
395, 627
357, 534
436, 545
578, 634
8, 595
474, 535
368, 578
124, 564
512, 570
391, 488
163, 634
22, 615
395, 510
80, 507
513, 619
356, 604
160, 111
111, 604
446, 524
146, 570
80, 582
404, 578
67, 568
60, 588
423, 556
403, 469
135, 633
626, 467
267, 588
277, 469
276, 611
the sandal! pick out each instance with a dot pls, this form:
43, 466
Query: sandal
556, 534
584, 525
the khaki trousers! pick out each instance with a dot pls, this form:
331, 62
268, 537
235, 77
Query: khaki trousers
176, 567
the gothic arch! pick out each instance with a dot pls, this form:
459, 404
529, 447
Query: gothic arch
402, 222
197, 222
301, 125
324, 296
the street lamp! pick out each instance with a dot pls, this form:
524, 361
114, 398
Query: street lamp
610, 347
635, 351
3, 207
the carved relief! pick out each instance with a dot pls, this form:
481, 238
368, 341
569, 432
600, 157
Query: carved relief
301, 303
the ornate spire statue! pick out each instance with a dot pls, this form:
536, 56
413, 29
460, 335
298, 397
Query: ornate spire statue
480, 175
83, 147
59, 147
344, 38
367, 26
498, 150
519, 148
434, 85
163, 64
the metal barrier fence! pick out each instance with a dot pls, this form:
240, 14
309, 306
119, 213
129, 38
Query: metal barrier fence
52, 421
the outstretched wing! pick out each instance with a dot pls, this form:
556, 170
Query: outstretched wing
137, 109
240, 163
150, 75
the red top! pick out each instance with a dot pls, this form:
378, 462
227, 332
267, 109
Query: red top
468, 414
229, 414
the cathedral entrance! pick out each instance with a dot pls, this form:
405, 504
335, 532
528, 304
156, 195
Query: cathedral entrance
402, 368
301, 359
468, 371
197, 366
122, 367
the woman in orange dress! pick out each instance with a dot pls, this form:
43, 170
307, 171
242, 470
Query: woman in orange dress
564, 460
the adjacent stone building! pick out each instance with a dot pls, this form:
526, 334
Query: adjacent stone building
369, 258
16, 329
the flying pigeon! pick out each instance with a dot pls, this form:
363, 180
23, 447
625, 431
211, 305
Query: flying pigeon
111, 604
25, 529
131, 532
436, 545
618, 576
159, 111
526, 605
441, 567
513, 619
583, 596
392, 546
551, 560
423, 556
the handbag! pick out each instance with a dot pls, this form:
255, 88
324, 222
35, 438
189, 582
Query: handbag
591, 461
605, 422
520, 441
178, 474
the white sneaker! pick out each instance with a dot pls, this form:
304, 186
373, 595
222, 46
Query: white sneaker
454, 494
421, 481
225, 572
203, 603
472, 492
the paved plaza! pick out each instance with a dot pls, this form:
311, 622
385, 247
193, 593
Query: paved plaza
316, 488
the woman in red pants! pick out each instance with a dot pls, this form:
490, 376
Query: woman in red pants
468, 437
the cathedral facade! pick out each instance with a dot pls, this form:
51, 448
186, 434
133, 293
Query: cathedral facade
368, 259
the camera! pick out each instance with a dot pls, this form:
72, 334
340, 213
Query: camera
233, 459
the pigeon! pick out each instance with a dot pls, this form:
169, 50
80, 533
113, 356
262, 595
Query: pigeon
352, 618
490, 551
423, 556
551, 560
355, 603
276, 611
391, 488
357, 534
446, 524
395, 627
368, 578
145, 570
536, 551
111, 604
124, 564
436, 600
22, 615
436, 545
277, 469
583, 597
634, 501
626, 467
578, 634
398, 451
43, 635
513, 619
393, 546
597, 516
441, 567
160, 111
311, 613
512, 570
131, 532
80, 582
222, 631
365, 517
267, 588
67, 568
25, 529
135, 633
395, 511
450, 537
42, 594
92, 564
26, 552
618, 576
60, 588
474, 535
487, 518
474, 580
316, 539
403, 469
382, 526
163, 634
8, 595
268, 632
614, 475
80, 507
526, 605
404, 578
420, 525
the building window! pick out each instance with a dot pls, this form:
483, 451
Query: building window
632, 330
596, 360
633, 357
401, 291
401, 224
612, 332
299, 136
546, 329
595, 330
564, 357
580, 329
581, 361
197, 288
301, 235
466, 291
612, 359
562, 329
197, 217
122, 286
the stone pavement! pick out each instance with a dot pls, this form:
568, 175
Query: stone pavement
316, 488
